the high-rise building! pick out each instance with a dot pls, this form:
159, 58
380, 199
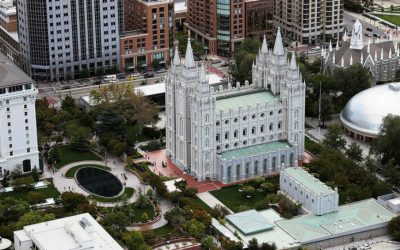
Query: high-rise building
59, 39
9, 45
146, 37
221, 25
18, 140
238, 131
310, 21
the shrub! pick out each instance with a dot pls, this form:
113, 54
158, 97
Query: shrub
35, 197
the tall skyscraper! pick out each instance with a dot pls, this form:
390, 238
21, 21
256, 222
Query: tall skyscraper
18, 140
59, 39
310, 21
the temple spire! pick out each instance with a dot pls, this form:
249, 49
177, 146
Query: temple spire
368, 46
264, 47
344, 38
177, 60
390, 53
189, 59
351, 60
293, 64
278, 47
362, 58
330, 46
342, 62
381, 54
202, 74
333, 58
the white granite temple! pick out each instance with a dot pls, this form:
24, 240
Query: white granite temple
238, 131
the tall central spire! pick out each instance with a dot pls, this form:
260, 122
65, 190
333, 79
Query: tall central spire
177, 60
278, 47
264, 47
189, 59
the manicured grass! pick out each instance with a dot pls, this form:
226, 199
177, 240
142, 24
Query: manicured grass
197, 203
68, 155
312, 146
233, 199
48, 192
128, 192
71, 172
163, 231
390, 18
138, 212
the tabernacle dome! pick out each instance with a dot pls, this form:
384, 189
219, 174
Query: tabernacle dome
362, 117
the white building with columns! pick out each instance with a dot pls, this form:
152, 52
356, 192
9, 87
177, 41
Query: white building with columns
310, 192
238, 131
18, 136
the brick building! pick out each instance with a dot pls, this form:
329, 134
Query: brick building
146, 34
260, 18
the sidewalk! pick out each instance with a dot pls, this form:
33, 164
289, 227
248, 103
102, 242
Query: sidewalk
211, 201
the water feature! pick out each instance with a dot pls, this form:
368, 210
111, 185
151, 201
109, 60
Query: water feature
98, 181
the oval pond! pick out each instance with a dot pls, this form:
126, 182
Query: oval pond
99, 182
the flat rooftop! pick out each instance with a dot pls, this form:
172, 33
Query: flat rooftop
254, 150
249, 222
11, 74
69, 233
308, 181
349, 218
244, 100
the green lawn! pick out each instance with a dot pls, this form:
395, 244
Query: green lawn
48, 192
233, 199
128, 192
390, 18
163, 231
71, 172
312, 146
138, 212
69, 155
197, 203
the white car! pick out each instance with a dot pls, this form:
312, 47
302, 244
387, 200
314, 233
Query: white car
82, 85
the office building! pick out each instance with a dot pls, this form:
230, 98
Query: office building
310, 21
78, 232
238, 131
146, 37
9, 44
18, 143
260, 18
60, 39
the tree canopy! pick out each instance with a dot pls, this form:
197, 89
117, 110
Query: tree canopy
387, 144
244, 56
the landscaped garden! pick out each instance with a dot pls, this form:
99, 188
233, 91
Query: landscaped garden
32, 194
63, 154
71, 172
237, 199
128, 192
390, 18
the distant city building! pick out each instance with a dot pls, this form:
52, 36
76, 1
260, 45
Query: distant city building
222, 25
9, 45
18, 141
363, 114
310, 192
59, 39
381, 59
310, 21
238, 131
146, 37
180, 12
76, 232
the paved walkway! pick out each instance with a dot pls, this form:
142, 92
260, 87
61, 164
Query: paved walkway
117, 168
211, 201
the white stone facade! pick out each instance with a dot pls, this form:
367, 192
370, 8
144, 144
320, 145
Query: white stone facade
18, 140
236, 132
311, 193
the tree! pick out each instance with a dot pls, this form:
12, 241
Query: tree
142, 201
267, 246
326, 108
253, 244
100, 71
134, 240
116, 221
267, 186
34, 217
35, 197
207, 242
248, 190
195, 228
84, 73
35, 175
334, 137
12, 209
54, 155
68, 105
144, 217
354, 152
244, 56
23, 183
71, 201
387, 144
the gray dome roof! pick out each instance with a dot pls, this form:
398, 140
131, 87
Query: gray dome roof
365, 111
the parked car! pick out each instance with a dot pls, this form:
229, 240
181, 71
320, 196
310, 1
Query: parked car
148, 74
82, 85
369, 29
162, 70
121, 76
66, 87
98, 82
136, 74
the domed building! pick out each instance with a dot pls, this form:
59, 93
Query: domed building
363, 115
